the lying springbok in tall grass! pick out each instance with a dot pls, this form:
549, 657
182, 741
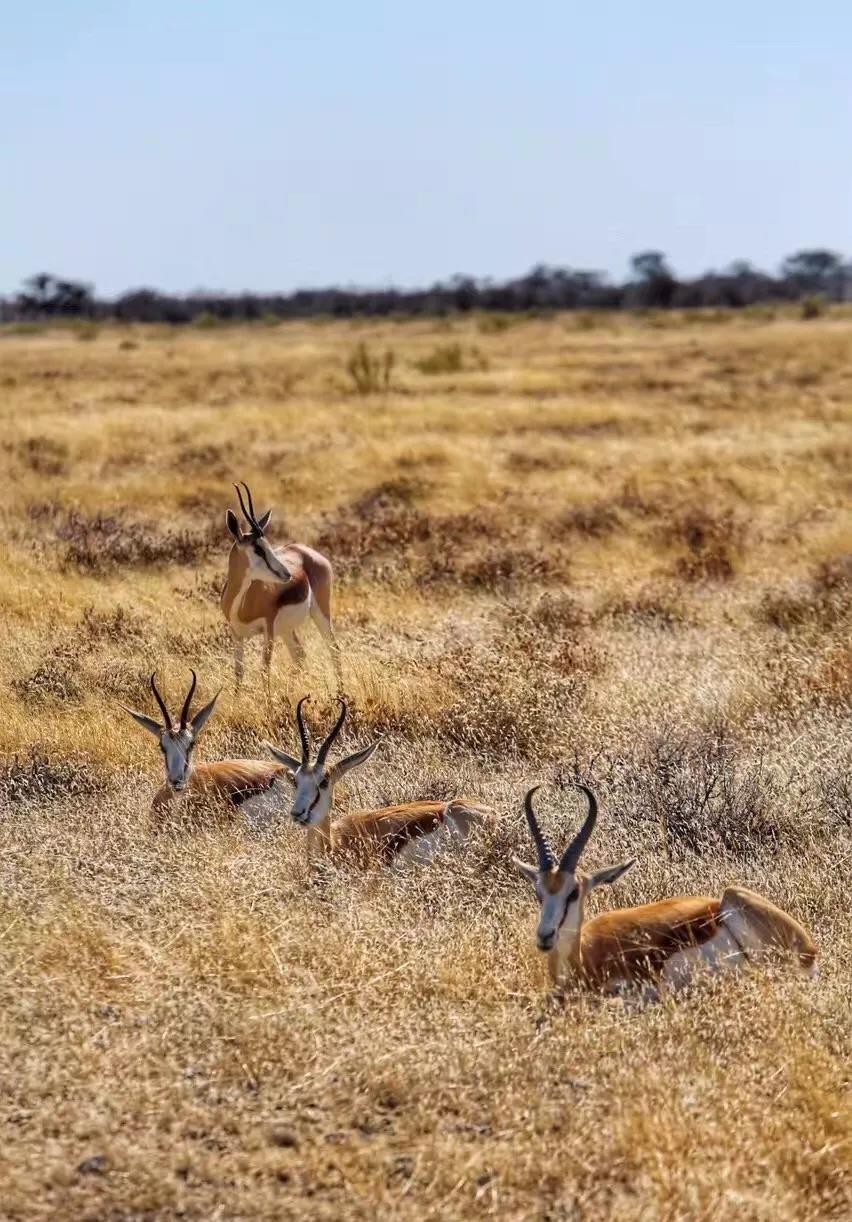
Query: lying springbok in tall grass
411, 832
247, 784
656, 947
273, 590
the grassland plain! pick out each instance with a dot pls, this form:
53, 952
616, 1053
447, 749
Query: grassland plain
615, 547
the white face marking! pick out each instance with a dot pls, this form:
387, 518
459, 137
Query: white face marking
560, 910
313, 797
264, 564
177, 746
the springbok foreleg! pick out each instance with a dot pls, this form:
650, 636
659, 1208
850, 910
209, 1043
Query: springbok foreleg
239, 663
268, 647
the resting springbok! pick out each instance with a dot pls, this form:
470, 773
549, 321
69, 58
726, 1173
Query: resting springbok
412, 832
655, 947
247, 784
273, 590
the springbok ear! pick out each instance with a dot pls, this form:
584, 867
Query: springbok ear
147, 723
201, 718
529, 872
289, 761
263, 521
609, 874
233, 525
352, 761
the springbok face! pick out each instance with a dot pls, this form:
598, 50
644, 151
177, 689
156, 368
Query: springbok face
176, 742
262, 561
562, 888
314, 783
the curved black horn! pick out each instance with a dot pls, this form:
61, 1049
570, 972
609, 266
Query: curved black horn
254, 520
335, 730
187, 704
571, 856
161, 702
545, 853
248, 513
303, 731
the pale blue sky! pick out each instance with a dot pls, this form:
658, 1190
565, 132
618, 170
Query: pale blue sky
264, 145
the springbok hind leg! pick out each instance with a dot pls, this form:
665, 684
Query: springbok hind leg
323, 624
239, 663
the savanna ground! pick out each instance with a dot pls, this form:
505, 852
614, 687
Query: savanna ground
614, 548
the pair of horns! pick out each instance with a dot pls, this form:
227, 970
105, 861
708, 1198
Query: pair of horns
571, 857
184, 715
305, 738
248, 513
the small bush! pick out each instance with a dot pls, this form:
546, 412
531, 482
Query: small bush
51, 682
648, 609
504, 705
23, 328
825, 603
100, 543
38, 778
44, 455
813, 307
595, 521
759, 313
703, 796
495, 324
369, 373
206, 320
446, 358
713, 544
85, 331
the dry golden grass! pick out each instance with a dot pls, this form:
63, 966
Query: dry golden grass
610, 547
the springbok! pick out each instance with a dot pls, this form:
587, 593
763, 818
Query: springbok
411, 832
273, 590
247, 784
654, 948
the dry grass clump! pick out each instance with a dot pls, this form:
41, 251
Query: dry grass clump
102, 542
712, 543
823, 603
616, 552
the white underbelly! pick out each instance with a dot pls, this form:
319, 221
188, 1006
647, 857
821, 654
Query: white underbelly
720, 953
425, 849
263, 809
291, 617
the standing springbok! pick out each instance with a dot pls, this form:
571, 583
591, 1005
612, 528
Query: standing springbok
411, 832
273, 590
655, 947
247, 784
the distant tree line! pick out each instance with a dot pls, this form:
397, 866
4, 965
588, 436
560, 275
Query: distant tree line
651, 285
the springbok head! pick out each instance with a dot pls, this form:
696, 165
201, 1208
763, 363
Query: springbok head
264, 564
560, 886
176, 742
315, 782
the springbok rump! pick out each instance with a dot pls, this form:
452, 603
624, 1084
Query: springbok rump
654, 948
411, 832
274, 590
249, 785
